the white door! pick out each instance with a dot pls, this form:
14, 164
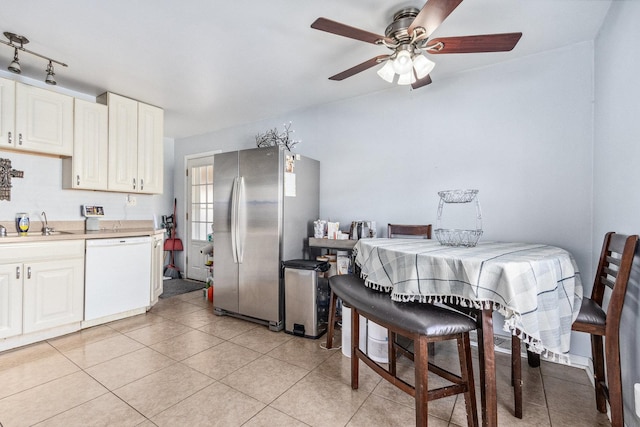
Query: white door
199, 215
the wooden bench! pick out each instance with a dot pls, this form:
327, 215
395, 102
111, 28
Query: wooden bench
423, 323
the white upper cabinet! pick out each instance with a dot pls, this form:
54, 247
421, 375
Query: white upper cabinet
87, 169
135, 145
7, 112
123, 143
150, 148
43, 121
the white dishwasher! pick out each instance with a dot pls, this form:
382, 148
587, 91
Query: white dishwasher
117, 276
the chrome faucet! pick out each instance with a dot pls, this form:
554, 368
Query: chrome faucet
46, 230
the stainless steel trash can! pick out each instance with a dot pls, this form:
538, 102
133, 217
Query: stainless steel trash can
306, 297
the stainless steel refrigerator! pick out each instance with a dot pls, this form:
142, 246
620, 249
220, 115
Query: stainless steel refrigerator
264, 203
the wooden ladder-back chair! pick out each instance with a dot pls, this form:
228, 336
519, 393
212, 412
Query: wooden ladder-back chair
399, 230
405, 230
612, 274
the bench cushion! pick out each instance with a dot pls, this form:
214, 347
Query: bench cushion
414, 317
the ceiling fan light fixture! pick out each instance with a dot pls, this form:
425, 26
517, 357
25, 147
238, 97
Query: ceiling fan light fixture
403, 63
422, 65
386, 72
407, 78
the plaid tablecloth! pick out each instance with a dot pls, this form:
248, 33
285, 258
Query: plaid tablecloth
536, 287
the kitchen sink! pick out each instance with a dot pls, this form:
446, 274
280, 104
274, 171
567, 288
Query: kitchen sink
36, 234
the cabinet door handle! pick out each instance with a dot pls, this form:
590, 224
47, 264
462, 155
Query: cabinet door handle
17, 272
134, 183
28, 272
77, 179
19, 139
141, 184
9, 137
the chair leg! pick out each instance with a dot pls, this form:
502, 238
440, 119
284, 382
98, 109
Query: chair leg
332, 319
466, 373
614, 381
421, 364
516, 375
355, 342
392, 352
598, 371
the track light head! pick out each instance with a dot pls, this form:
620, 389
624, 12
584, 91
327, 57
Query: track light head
14, 67
50, 80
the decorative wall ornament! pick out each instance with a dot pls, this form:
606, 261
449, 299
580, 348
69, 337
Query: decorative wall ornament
272, 138
6, 173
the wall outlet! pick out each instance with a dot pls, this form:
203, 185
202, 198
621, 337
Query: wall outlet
131, 200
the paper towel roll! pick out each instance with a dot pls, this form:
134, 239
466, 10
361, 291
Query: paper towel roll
207, 250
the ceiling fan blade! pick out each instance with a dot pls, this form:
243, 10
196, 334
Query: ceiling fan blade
422, 82
432, 15
360, 67
334, 27
472, 44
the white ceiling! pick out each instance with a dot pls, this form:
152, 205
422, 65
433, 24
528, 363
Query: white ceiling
213, 64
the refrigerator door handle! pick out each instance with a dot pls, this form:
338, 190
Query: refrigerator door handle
241, 220
234, 220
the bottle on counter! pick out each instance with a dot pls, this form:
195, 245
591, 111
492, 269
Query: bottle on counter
22, 223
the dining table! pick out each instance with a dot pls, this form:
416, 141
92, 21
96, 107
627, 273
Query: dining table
536, 287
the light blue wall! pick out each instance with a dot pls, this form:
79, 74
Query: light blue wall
41, 190
617, 165
520, 132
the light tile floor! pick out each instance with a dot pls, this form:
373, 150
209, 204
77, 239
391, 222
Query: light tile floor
181, 365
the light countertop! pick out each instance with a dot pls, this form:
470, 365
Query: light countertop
74, 230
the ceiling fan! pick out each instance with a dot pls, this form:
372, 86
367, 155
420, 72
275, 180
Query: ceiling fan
408, 38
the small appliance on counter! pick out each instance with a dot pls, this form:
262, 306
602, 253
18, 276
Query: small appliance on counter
93, 215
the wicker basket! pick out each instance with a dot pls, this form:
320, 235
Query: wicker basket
454, 237
457, 196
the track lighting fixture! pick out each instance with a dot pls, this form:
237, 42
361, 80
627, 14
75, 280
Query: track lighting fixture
17, 42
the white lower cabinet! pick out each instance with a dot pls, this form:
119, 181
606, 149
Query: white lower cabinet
41, 286
53, 294
157, 259
10, 300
